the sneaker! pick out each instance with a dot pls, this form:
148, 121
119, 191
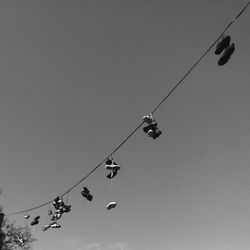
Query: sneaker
223, 44
109, 162
54, 225
88, 196
34, 222
151, 133
148, 118
226, 55
111, 205
113, 167
157, 133
37, 217
67, 208
151, 126
112, 174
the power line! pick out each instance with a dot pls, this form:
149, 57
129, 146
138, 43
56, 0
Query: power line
138, 126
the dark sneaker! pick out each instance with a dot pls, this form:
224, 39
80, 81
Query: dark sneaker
226, 55
151, 126
67, 208
148, 118
223, 44
112, 174
88, 196
34, 222
37, 217
157, 133
109, 161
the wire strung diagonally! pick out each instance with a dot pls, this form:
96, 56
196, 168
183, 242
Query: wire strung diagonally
135, 130
199, 59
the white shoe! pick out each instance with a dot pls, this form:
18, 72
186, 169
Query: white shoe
111, 205
113, 167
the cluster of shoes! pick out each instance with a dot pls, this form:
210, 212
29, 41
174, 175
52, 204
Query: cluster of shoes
35, 221
113, 167
228, 48
151, 129
86, 193
60, 207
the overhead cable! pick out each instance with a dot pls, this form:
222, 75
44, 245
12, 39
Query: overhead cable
138, 126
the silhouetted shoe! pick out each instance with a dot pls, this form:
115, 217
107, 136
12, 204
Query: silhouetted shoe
223, 44
37, 217
111, 205
157, 133
67, 208
226, 55
112, 174
151, 126
148, 118
34, 222
151, 133
87, 195
109, 162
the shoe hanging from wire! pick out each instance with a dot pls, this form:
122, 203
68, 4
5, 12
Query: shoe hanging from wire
151, 129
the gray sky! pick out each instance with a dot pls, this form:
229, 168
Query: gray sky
77, 77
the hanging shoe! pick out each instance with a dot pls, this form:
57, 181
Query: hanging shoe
109, 161
156, 133
151, 126
26, 216
67, 208
85, 193
112, 174
85, 190
114, 166
37, 218
111, 205
148, 118
89, 197
151, 133
226, 55
34, 222
55, 225
223, 44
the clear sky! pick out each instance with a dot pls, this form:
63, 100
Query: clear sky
77, 77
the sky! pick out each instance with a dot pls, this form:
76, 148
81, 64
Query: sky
77, 78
